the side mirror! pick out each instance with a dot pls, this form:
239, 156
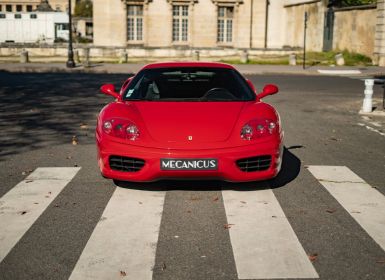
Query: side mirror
267, 90
251, 85
109, 89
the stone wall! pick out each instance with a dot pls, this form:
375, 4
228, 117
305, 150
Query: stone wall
379, 44
354, 30
294, 33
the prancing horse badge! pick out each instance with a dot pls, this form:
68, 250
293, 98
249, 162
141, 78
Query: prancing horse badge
189, 138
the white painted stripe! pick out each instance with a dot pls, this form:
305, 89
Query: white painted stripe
364, 203
264, 244
371, 129
124, 240
339, 72
23, 204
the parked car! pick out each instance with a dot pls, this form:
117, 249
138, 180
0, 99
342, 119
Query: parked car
190, 120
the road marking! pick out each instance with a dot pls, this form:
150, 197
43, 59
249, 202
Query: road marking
339, 72
23, 204
371, 129
124, 240
364, 203
264, 244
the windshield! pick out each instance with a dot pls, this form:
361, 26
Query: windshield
188, 84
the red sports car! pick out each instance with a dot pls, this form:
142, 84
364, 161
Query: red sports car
189, 120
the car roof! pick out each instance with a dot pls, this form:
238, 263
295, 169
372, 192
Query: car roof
187, 64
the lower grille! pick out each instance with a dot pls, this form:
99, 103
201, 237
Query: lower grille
252, 164
126, 164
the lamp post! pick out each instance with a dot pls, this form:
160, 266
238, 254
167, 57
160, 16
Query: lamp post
304, 41
70, 61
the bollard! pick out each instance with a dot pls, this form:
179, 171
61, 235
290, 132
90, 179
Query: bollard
196, 55
367, 106
76, 56
24, 56
340, 61
293, 59
86, 58
244, 56
123, 57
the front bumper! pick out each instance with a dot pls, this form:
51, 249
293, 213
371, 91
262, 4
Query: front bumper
227, 157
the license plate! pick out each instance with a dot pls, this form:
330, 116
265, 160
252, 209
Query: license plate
188, 164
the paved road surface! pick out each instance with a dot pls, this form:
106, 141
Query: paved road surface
323, 217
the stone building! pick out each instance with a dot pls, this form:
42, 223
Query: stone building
180, 23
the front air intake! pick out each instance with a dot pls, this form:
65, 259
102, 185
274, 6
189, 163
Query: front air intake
253, 164
126, 164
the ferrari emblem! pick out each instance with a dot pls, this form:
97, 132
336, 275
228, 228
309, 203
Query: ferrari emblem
189, 138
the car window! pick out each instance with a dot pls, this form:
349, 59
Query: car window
188, 84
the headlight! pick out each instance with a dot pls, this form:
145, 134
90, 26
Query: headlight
121, 128
258, 128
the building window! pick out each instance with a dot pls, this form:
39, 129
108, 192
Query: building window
2, 15
8, 8
19, 8
134, 22
18, 16
1, 8
33, 16
225, 24
180, 23
29, 8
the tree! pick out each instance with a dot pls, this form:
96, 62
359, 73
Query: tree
83, 8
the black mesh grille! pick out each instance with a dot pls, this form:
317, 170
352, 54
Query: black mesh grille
254, 163
126, 164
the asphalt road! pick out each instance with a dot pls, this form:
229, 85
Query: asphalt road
191, 229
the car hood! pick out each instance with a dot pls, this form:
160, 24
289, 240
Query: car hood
194, 122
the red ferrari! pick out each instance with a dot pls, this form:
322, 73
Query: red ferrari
189, 120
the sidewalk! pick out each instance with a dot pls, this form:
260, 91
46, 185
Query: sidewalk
110, 68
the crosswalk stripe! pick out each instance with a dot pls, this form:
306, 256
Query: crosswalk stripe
264, 244
364, 203
22, 205
123, 242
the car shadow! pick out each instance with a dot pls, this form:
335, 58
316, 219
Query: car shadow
291, 166
39, 110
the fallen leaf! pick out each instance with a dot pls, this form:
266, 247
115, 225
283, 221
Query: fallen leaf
216, 198
335, 139
29, 181
123, 273
331, 211
74, 140
23, 212
176, 236
140, 202
164, 266
356, 212
244, 202
313, 257
227, 226
188, 211
83, 126
194, 198
75, 165
381, 261
274, 216
68, 157
57, 205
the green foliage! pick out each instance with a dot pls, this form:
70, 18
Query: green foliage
83, 8
347, 3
